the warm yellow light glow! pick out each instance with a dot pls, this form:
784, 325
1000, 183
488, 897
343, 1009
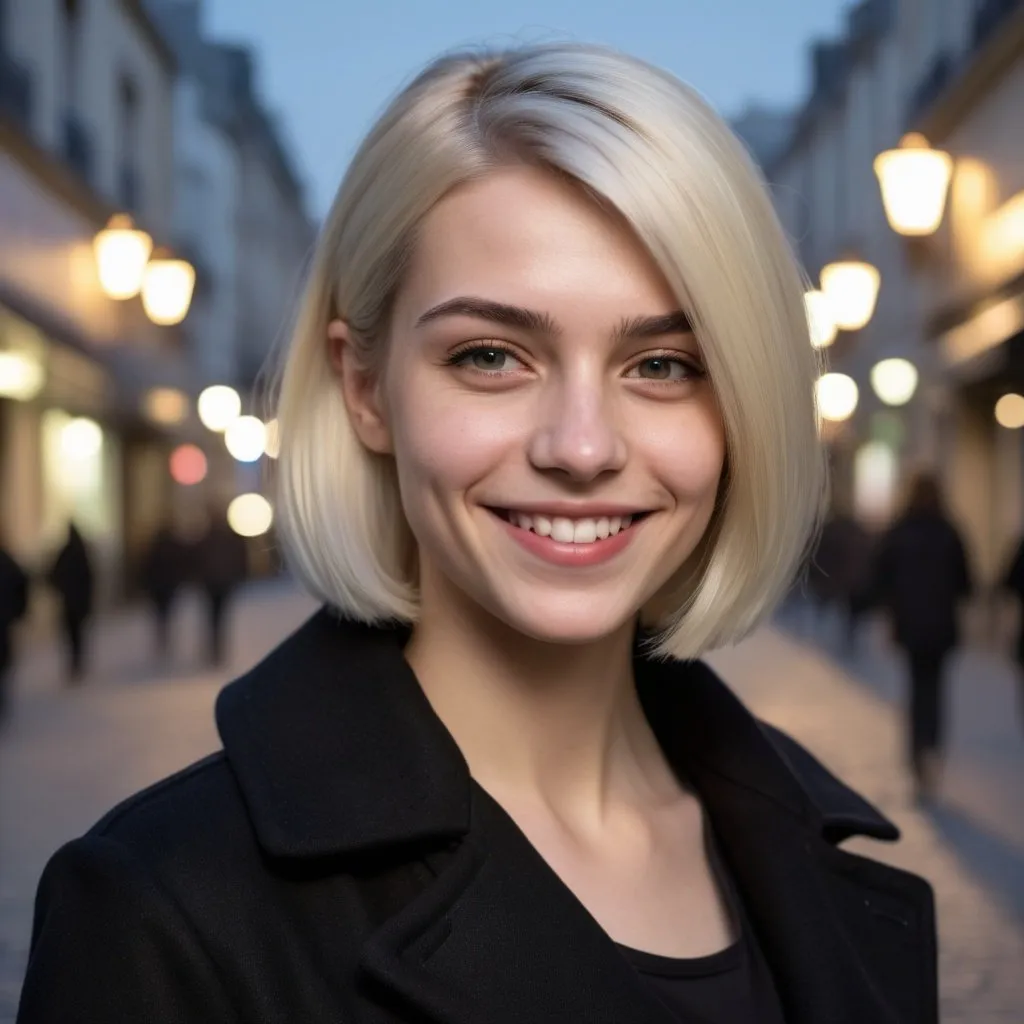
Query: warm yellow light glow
246, 438
992, 326
167, 406
820, 319
1002, 233
273, 440
122, 252
21, 376
851, 288
218, 407
250, 515
837, 396
915, 182
167, 290
1010, 412
81, 439
894, 381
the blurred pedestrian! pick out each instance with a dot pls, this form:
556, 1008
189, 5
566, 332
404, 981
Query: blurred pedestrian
221, 565
72, 577
164, 570
840, 571
921, 576
13, 605
1013, 581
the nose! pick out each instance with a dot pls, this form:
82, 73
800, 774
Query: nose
577, 432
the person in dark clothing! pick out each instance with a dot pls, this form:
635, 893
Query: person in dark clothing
1013, 581
13, 605
921, 576
164, 570
72, 577
221, 565
840, 569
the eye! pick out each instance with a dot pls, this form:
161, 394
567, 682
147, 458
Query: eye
664, 368
491, 359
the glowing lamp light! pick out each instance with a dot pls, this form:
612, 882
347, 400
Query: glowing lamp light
915, 181
820, 319
246, 438
167, 406
273, 440
167, 288
81, 438
21, 376
837, 396
218, 407
250, 515
188, 465
851, 287
1010, 412
894, 381
122, 252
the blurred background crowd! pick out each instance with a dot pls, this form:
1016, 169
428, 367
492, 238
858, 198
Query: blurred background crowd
155, 223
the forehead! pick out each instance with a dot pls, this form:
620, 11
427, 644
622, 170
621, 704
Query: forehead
524, 236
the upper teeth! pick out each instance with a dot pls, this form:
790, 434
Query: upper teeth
572, 531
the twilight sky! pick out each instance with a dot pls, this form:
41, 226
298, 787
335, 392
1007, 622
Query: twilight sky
328, 66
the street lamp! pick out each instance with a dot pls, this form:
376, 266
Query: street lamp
914, 180
122, 252
837, 396
250, 515
1010, 412
167, 288
851, 287
894, 381
820, 319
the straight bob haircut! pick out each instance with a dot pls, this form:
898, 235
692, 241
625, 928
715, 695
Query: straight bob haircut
637, 141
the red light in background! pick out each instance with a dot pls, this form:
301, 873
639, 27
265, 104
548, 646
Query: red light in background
188, 464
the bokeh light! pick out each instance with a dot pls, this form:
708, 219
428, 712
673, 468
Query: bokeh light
188, 465
1010, 411
218, 407
246, 438
250, 515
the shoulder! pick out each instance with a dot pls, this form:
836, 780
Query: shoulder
192, 820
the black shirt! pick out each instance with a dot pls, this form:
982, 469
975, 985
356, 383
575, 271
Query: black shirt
733, 986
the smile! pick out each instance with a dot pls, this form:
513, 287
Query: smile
570, 541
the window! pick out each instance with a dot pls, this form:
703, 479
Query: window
128, 132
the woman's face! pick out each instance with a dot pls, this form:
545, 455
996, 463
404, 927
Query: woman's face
557, 442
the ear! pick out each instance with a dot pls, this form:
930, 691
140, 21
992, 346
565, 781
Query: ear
358, 389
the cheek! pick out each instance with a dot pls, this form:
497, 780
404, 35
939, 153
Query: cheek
687, 453
452, 440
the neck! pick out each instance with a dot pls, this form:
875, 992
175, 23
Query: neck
555, 724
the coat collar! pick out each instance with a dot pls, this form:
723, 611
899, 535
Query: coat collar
337, 749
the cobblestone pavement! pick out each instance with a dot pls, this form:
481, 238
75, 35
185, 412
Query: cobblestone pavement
67, 755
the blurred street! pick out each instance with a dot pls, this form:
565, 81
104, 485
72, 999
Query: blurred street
67, 755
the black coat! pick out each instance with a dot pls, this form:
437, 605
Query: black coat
336, 864
921, 578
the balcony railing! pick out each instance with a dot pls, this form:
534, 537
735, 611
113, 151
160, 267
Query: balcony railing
77, 147
15, 92
989, 16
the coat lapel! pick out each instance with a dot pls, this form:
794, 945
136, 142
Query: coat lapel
500, 938
833, 927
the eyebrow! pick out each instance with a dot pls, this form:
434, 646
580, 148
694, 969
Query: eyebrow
632, 328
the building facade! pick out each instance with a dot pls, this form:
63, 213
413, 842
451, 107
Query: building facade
949, 303
86, 92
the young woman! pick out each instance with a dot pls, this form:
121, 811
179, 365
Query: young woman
548, 434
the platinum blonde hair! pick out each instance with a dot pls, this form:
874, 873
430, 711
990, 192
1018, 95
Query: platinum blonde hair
640, 141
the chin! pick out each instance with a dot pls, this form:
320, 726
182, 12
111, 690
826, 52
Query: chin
565, 621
